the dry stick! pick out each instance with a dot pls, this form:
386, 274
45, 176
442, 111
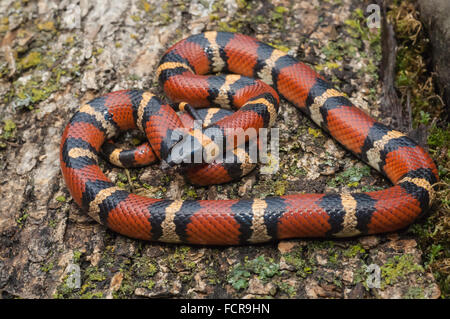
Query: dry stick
127, 172
390, 101
12, 144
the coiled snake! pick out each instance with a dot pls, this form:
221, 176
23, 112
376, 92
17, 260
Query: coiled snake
182, 74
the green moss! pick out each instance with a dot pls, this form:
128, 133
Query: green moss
128, 285
53, 223
92, 295
94, 274
30, 60
144, 267
439, 137
137, 272
239, 277
370, 188
9, 129
4, 70
212, 276
356, 24
424, 231
186, 277
238, 22
146, 6
189, 192
280, 188
178, 260
280, 47
360, 276
350, 177
413, 79
125, 291
35, 90
63, 290
122, 181
287, 289
228, 27
240, 274
97, 51
76, 256
415, 293
397, 268
93, 278
61, 199
278, 17
333, 257
314, 132
243, 4
21, 220
135, 18
108, 256
337, 50
4, 24
157, 191
362, 43
149, 284
47, 267
70, 41
321, 244
434, 252
122, 177
263, 268
46, 26
302, 264
354, 251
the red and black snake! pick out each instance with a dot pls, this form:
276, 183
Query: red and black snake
182, 74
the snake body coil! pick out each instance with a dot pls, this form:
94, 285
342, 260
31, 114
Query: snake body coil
181, 73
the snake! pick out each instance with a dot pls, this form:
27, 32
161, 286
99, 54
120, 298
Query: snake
247, 78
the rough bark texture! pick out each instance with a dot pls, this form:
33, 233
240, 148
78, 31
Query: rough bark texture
434, 14
57, 54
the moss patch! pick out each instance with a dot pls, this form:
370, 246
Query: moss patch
397, 268
240, 274
30, 60
350, 177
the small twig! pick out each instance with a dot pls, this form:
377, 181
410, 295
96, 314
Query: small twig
12, 144
127, 173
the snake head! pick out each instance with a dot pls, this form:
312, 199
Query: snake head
186, 151
197, 146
